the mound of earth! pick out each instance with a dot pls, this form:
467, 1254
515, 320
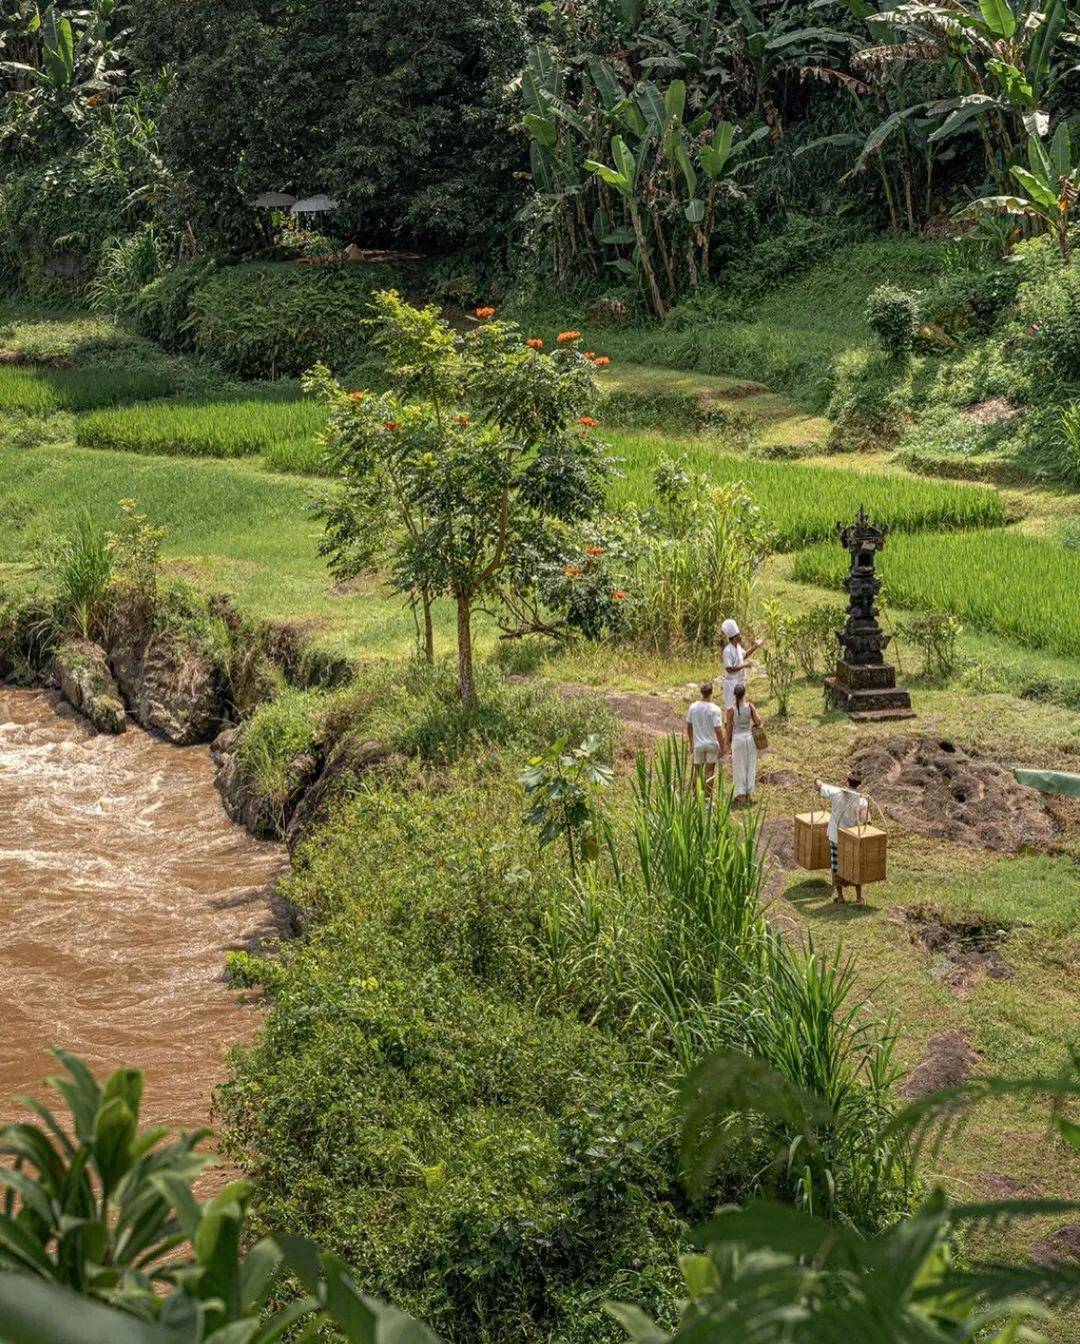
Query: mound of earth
940, 789
948, 1062
965, 945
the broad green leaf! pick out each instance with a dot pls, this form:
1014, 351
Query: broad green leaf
31, 1193
1039, 192
259, 1273
1061, 151
674, 101
113, 1134
1043, 42
541, 166
971, 105
33, 1311
998, 17
651, 104
540, 128
20, 1247
607, 85
695, 210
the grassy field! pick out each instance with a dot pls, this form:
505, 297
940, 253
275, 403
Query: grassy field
40, 391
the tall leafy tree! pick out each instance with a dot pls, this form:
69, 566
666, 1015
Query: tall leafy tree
480, 458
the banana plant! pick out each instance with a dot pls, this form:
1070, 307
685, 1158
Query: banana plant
84, 1206
720, 159
623, 178
1051, 183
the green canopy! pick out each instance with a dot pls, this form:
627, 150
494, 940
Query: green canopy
1050, 781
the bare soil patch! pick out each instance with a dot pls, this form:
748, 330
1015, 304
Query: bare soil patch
992, 411
949, 1060
937, 788
1060, 1248
965, 945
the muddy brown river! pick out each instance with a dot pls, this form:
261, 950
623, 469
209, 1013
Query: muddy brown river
122, 886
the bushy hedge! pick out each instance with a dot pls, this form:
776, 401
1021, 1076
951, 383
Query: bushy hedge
273, 319
162, 309
496, 1171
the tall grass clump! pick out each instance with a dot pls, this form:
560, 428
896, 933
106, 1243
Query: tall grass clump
998, 581
284, 431
671, 944
41, 391
79, 568
699, 563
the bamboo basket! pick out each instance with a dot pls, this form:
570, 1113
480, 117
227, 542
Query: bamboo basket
862, 854
812, 840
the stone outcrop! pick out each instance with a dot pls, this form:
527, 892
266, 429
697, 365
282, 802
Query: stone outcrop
350, 757
168, 682
82, 671
314, 780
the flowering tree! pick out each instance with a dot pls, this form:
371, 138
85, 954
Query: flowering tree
470, 472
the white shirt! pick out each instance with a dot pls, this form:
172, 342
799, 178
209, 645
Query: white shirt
705, 717
846, 808
732, 657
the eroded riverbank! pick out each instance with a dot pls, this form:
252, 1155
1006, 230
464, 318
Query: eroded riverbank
122, 886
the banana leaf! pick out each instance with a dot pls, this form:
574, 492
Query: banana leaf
1050, 781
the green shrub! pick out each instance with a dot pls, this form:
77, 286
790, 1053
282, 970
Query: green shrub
126, 266
936, 635
273, 320
892, 315
161, 310
1052, 308
497, 1170
970, 300
871, 401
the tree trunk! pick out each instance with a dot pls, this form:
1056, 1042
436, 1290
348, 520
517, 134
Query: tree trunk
429, 633
646, 263
466, 684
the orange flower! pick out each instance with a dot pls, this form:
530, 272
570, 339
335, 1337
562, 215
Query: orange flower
572, 571
565, 337
594, 550
461, 420
601, 361
587, 421
357, 396
588, 355
391, 425
619, 595
485, 312
535, 343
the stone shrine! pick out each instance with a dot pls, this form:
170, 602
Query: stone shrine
864, 684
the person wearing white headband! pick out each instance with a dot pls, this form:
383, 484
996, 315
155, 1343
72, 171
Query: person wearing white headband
735, 661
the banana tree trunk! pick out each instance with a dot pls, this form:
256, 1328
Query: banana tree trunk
646, 262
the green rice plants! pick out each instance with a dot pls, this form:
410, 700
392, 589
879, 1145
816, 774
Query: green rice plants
801, 504
283, 430
994, 580
42, 390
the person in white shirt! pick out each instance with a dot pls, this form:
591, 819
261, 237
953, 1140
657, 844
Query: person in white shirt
847, 807
704, 732
735, 661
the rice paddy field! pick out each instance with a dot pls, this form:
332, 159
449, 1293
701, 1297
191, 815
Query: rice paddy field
39, 391
802, 503
283, 432
1024, 587
221, 472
